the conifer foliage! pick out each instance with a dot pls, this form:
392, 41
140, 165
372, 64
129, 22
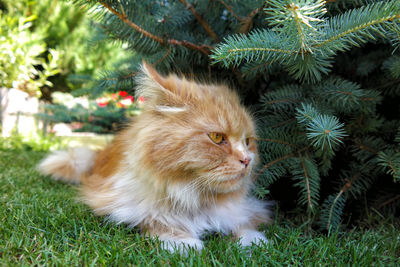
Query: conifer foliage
322, 76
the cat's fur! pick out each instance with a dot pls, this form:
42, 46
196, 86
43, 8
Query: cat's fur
165, 175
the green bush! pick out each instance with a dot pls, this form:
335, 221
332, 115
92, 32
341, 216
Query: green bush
20, 52
45, 46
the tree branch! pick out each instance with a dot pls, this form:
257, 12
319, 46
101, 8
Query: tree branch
282, 101
283, 123
365, 147
229, 8
331, 208
275, 141
205, 49
203, 23
248, 21
350, 182
357, 28
163, 57
307, 181
387, 202
271, 163
125, 19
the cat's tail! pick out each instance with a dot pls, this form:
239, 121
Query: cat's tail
68, 165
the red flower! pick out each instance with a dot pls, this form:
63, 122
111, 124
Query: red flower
102, 102
129, 97
141, 99
127, 101
123, 93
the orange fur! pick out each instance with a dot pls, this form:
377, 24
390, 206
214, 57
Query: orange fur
165, 174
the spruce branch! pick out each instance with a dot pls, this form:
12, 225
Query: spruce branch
302, 23
298, 19
283, 123
310, 39
163, 57
229, 8
335, 210
307, 178
397, 138
349, 182
357, 25
246, 22
125, 19
205, 49
285, 100
390, 160
365, 147
202, 22
387, 202
392, 65
122, 8
126, 76
271, 163
277, 141
251, 70
333, 206
346, 96
258, 46
322, 129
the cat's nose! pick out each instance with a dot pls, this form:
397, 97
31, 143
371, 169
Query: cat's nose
245, 161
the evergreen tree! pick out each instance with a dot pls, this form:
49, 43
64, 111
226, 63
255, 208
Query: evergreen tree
322, 76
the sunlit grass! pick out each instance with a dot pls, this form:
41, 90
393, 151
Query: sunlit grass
42, 223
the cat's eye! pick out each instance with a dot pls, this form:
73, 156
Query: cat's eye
217, 138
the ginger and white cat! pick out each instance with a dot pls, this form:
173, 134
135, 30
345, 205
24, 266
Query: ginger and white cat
182, 167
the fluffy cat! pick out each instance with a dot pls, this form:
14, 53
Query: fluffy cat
182, 167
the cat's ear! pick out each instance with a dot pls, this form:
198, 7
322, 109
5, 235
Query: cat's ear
159, 90
152, 74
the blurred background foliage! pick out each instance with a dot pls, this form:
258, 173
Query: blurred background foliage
46, 46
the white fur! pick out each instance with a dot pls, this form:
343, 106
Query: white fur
247, 237
183, 197
168, 109
241, 147
135, 208
79, 159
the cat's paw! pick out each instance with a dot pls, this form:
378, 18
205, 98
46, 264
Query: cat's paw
182, 245
248, 237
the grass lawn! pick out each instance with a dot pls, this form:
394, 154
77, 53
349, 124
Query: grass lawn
42, 223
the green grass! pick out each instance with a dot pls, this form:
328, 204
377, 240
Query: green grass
42, 223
